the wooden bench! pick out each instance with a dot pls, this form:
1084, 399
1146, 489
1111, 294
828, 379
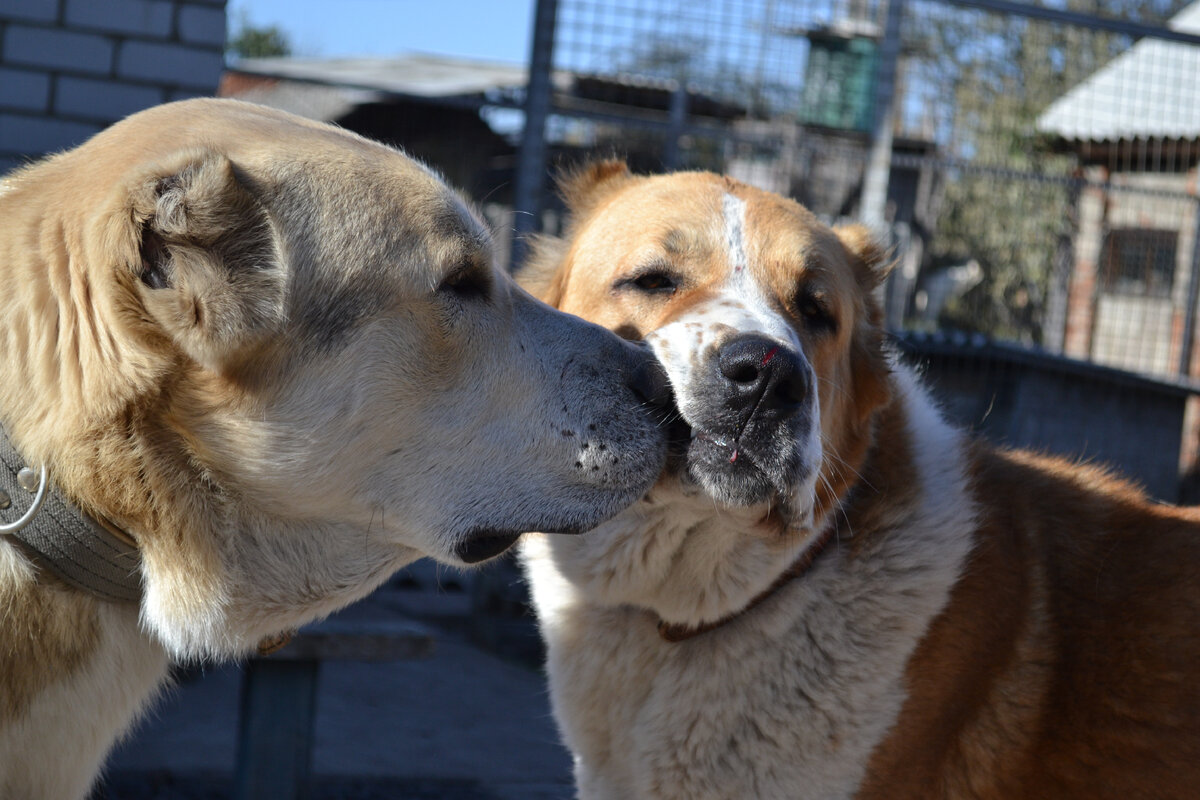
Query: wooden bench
279, 692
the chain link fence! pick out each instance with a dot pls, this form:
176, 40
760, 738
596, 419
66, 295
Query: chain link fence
1034, 166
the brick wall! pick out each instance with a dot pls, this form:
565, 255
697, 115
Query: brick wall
70, 67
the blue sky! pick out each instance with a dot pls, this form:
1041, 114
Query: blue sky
488, 29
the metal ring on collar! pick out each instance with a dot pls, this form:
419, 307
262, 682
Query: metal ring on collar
27, 517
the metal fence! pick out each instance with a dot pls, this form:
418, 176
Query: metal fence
1034, 166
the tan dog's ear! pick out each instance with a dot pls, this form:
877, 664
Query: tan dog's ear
209, 269
584, 187
872, 263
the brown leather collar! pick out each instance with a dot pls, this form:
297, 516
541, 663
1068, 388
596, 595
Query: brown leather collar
678, 632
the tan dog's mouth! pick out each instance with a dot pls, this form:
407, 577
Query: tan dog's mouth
482, 545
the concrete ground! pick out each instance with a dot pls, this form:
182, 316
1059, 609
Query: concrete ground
463, 723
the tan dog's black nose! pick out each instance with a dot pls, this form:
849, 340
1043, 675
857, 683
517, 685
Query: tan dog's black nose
763, 374
648, 379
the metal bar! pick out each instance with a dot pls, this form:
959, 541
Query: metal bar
531, 164
1193, 286
678, 119
879, 166
636, 118
1137, 29
904, 160
274, 749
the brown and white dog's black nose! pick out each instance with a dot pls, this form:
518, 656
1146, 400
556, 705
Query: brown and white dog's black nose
763, 374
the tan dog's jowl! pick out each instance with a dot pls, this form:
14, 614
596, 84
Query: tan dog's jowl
279, 359
832, 593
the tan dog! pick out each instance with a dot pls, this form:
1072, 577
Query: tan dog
276, 358
833, 593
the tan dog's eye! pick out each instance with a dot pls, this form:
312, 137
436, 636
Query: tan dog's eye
650, 282
813, 308
467, 284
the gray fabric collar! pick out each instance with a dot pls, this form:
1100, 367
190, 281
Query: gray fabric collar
62, 538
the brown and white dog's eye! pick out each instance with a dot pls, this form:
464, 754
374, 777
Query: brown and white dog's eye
653, 281
813, 307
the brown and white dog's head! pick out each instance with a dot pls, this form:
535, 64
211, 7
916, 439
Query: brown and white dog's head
281, 357
762, 316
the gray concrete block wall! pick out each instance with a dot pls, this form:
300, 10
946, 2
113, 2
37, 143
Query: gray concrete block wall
68, 68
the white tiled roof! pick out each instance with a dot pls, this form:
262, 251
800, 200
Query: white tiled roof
1151, 90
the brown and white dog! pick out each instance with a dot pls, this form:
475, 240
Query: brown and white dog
834, 593
278, 359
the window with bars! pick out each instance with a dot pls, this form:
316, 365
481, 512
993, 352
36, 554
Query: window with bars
1137, 261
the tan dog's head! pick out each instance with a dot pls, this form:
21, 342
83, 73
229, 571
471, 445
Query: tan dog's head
281, 357
762, 316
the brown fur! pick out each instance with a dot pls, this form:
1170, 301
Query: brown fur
1066, 663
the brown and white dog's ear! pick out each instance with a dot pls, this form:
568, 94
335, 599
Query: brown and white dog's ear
542, 274
870, 367
584, 187
208, 266
872, 263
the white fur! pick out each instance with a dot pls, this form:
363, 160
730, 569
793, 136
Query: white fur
684, 345
786, 701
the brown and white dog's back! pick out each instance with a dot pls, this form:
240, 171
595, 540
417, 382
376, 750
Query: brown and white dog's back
833, 593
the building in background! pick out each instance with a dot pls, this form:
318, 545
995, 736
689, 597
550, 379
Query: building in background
1135, 251
435, 108
68, 68
462, 116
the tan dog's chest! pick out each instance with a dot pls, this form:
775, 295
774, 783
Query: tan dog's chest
73, 668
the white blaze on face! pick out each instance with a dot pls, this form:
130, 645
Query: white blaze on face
738, 306
688, 345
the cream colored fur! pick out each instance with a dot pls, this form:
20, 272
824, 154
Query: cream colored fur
788, 701
279, 357
53, 747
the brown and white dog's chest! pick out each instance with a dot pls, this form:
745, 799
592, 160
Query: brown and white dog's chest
797, 693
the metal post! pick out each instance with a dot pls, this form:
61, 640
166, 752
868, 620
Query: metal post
531, 163
274, 749
1193, 285
678, 118
879, 166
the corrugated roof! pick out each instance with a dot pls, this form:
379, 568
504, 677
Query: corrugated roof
413, 74
1150, 91
315, 101
327, 88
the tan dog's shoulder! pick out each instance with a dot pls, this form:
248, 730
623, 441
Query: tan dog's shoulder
241, 339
